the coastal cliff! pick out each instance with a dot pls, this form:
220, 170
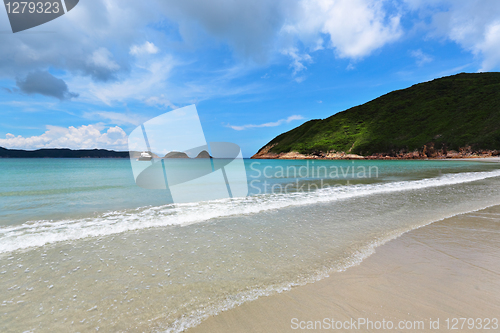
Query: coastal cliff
452, 117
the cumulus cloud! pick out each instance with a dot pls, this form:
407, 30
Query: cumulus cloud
254, 29
44, 83
101, 66
271, 124
79, 46
248, 26
473, 24
354, 28
490, 47
102, 40
82, 137
257, 28
143, 83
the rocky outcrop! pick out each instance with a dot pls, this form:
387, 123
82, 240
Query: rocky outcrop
293, 155
264, 152
204, 154
430, 152
176, 154
426, 152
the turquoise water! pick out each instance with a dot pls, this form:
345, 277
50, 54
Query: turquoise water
83, 248
56, 189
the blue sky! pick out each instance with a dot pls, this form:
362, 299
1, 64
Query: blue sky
254, 68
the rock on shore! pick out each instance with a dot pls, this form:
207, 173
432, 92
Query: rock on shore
426, 152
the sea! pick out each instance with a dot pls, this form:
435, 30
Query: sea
83, 248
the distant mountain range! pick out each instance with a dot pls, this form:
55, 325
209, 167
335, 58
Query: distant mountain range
85, 153
62, 153
451, 117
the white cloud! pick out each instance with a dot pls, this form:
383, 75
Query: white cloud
355, 28
146, 48
249, 27
474, 25
160, 101
255, 30
103, 58
298, 59
145, 80
421, 57
101, 66
84, 39
271, 124
490, 47
82, 137
116, 117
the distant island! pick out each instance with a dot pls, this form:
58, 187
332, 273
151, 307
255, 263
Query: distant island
177, 154
451, 117
62, 153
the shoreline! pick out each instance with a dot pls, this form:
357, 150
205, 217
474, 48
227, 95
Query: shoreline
472, 158
297, 156
448, 269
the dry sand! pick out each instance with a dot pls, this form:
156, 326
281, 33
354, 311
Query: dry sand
450, 269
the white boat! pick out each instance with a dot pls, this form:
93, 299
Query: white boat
145, 156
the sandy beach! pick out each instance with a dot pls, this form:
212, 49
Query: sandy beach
449, 269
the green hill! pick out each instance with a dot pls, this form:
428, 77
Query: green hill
445, 114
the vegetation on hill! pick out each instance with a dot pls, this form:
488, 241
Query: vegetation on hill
447, 113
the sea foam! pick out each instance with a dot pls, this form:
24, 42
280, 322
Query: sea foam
40, 233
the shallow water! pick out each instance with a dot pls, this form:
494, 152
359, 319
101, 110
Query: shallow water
102, 258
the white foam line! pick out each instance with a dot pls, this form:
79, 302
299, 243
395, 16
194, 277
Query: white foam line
40, 233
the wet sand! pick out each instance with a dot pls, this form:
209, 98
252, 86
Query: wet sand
449, 269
